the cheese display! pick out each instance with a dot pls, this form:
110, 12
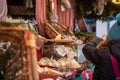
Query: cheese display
58, 51
59, 60
63, 62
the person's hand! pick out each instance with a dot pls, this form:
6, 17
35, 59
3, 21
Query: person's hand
104, 36
102, 44
40, 40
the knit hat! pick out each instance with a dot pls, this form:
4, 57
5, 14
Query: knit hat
118, 18
114, 32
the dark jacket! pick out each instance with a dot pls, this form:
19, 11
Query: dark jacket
101, 58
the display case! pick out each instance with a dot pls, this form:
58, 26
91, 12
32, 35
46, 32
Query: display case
80, 57
59, 50
60, 59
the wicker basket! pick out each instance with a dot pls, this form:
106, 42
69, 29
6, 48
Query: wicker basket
17, 57
52, 29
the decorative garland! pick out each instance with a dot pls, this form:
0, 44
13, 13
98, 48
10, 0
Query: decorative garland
7, 53
88, 9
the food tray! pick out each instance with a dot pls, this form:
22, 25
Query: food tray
61, 69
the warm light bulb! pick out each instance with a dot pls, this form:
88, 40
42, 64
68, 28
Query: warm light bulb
115, 2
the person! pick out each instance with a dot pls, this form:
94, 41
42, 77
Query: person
40, 40
98, 52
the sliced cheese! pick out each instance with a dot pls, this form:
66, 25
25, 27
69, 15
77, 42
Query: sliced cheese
58, 37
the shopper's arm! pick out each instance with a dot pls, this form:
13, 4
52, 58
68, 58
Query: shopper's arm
91, 52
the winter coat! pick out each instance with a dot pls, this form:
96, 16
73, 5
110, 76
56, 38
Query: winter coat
101, 58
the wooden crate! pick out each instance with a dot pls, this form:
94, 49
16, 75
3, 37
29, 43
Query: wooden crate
16, 61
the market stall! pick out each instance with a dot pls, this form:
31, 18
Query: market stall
60, 52
17, 58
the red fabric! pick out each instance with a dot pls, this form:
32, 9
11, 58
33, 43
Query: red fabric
44, 76
39, 54
85, 72
41, 15
27, 35
66, 17
115, 66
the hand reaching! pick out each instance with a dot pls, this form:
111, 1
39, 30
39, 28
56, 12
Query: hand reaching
104, 36
40, 40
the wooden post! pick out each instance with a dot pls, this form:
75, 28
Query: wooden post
31, 45
34, 63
